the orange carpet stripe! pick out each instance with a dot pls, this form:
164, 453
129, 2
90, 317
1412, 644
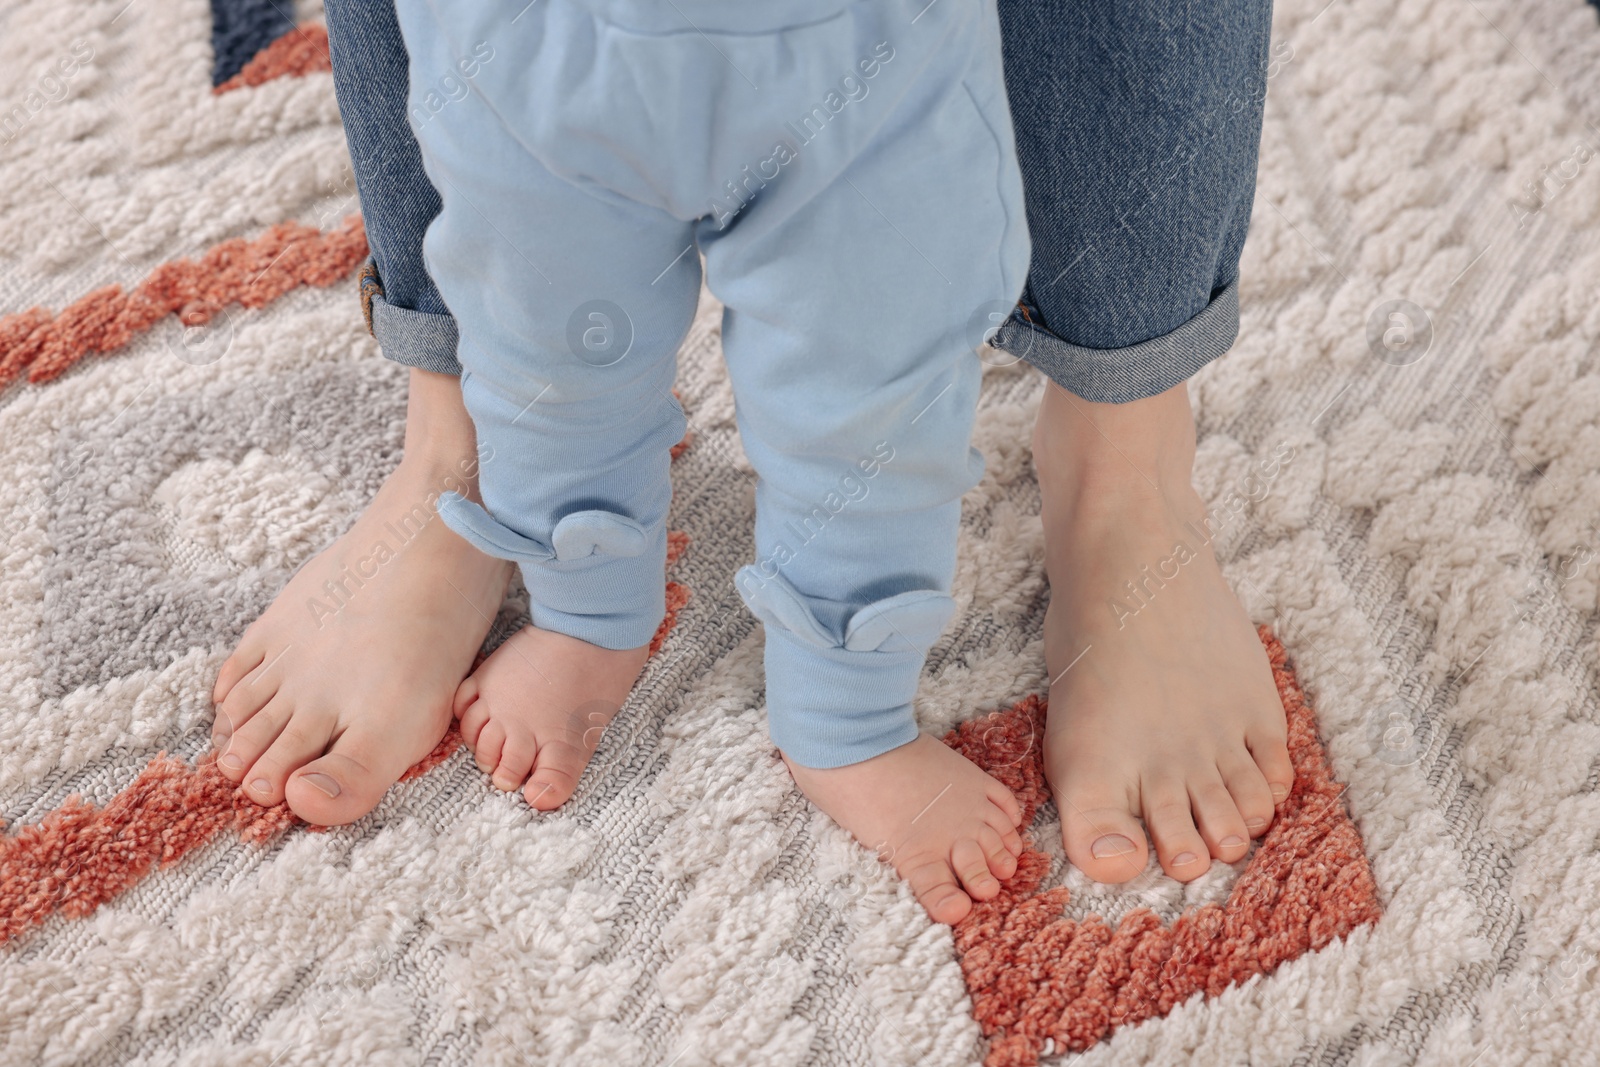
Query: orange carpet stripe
1036, 976
677, 540
251, 273
677, 597
79, 856
301, 51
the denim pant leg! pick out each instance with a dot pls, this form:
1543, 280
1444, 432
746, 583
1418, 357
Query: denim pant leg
1138, 126
404, 310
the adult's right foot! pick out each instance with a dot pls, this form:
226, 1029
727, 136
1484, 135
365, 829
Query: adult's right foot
347, 679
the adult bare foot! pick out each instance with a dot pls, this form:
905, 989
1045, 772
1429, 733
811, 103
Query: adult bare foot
347, 679
1162, 705
534, 711
949, 829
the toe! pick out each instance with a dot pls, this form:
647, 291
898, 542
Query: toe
1009, 835
555, 774
466, 693
250, 740
221, 731
491, 739
1179, 846
1103, 840
346, 783
1001, 860
244, 659
1251, 793
972, 867
250, 695
1271, 754
473, 713
516, 758
1002, 798
935, 888
303, 738
1217, 818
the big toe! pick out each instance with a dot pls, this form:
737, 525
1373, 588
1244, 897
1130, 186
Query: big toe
1105, 842
348, 781
333, 790
556, 771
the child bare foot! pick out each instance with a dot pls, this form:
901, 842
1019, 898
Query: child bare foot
534, 711
346, 680
1162, 705
949, 829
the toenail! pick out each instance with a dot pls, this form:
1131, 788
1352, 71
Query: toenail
1231, 841
261, 785
1111, 845
1255, 824
1279, 791
232, 762
321, 781
220, 732
1183, 859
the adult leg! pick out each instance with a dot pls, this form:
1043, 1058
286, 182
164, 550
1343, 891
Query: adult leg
347, 679
1138, 134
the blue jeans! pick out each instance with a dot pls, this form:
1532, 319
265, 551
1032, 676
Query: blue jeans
403, 307
1137, 133
1137, 136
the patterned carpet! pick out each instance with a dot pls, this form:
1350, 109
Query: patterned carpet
1403, 453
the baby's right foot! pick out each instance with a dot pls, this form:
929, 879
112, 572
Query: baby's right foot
534, 711
949, 829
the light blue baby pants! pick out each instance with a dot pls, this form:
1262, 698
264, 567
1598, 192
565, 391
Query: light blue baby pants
847, 170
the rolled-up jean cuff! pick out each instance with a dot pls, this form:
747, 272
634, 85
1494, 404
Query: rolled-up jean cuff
414, 338
1133, 372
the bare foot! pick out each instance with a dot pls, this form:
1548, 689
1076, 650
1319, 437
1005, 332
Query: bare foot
347, 679
534, 711
1162, 705
949, 829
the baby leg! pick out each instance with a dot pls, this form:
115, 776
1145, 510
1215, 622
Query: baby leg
568, 355
848, 340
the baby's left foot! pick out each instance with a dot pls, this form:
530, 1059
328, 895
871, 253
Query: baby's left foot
949, 829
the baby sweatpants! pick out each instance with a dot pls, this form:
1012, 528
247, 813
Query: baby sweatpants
847, 170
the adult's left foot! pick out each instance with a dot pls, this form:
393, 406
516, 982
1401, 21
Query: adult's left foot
1162, 704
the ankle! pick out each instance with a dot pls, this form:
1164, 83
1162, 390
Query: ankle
1109, 458
441, 443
